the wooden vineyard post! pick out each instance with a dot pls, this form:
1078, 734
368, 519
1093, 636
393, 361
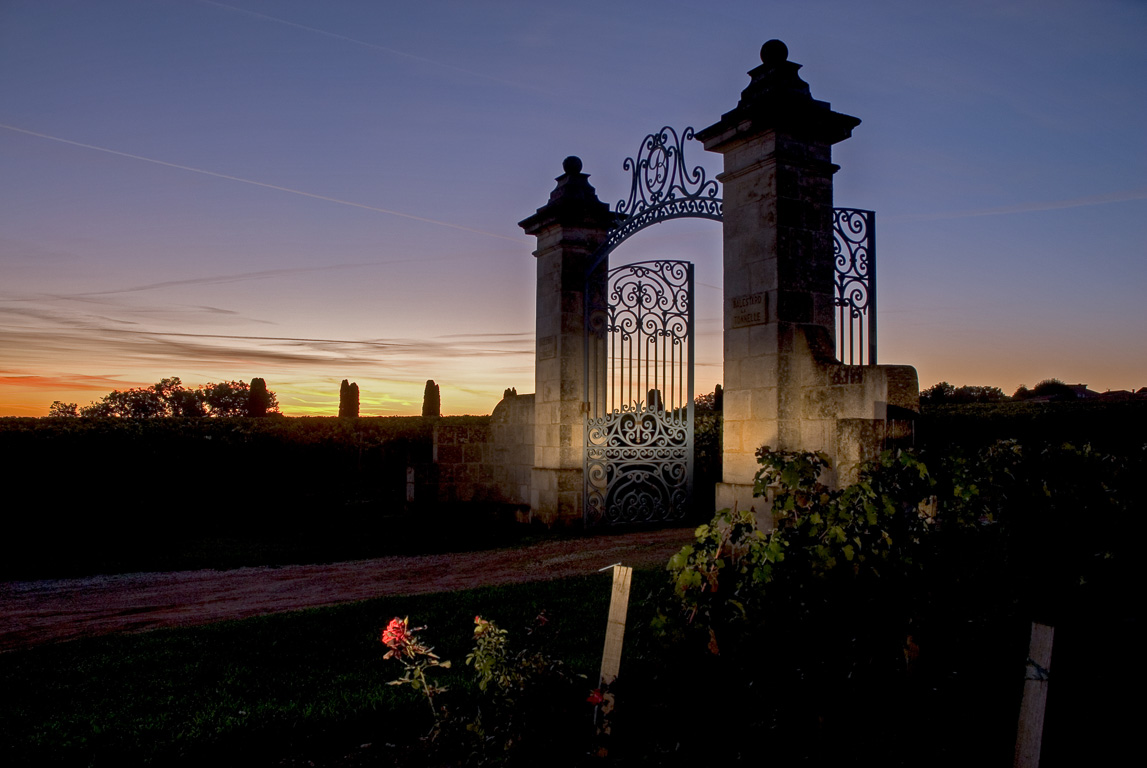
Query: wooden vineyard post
1029, 734
611, 655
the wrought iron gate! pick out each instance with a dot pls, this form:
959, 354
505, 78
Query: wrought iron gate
854, 250
639, 348
639, 431
639, 338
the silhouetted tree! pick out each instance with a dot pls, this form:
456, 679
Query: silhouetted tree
1055, 389
169, 397
431, 400
711, 401
937, 394
96, 410
187, 403
1022, 393
138, 403
226, 398
348, 400
945, 393
63, 410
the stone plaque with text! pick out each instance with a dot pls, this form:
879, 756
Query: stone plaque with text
749, 309
547, 347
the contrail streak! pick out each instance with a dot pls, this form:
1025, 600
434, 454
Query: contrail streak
376, 47
233, 278
259, 183
368, 343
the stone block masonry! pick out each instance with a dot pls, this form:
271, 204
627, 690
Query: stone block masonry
487, 462
783, 386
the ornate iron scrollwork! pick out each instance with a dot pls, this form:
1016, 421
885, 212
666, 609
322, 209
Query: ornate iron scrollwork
662, 187
854, 251
639, 431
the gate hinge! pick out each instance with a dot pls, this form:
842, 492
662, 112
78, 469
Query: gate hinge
585, 406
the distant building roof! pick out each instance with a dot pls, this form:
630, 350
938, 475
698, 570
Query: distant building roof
1082, 392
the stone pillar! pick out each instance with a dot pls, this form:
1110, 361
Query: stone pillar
569, 229
779, 331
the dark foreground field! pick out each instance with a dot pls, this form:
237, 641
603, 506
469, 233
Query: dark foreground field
310, 688
818, 673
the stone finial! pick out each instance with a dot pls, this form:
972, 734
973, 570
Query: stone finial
573, 200
776, 77
777, 97
573, 185
774, 52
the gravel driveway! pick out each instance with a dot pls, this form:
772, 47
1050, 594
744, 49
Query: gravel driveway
37, 612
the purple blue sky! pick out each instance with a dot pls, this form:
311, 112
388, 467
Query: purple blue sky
310, 191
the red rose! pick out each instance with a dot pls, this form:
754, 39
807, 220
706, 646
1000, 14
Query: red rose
395, 635
595, 697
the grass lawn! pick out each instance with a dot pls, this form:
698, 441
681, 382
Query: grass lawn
262, 690
310, 687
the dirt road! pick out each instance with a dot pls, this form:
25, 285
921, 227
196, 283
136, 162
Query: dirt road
37, 612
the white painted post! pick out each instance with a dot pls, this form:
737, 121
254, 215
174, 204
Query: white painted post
615, 629
1029, 734
611, 654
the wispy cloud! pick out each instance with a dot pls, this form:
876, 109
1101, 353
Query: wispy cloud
519, 334
61, 382
230, 278
1050, 205
262, 184
73, 312
116, 347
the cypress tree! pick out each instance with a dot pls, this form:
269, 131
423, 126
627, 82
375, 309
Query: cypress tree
258, 398
431, 400
348, 400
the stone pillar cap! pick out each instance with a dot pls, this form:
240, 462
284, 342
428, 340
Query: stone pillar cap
778, 97
775, 77
572, 203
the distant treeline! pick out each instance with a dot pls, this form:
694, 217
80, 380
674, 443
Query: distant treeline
101, 493
1114, 427
88, 495
1046, 390
168, 397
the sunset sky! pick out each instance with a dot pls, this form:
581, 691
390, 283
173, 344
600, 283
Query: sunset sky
310, 191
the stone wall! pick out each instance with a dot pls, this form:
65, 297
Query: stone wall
511, 448
488, 460
459, 461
